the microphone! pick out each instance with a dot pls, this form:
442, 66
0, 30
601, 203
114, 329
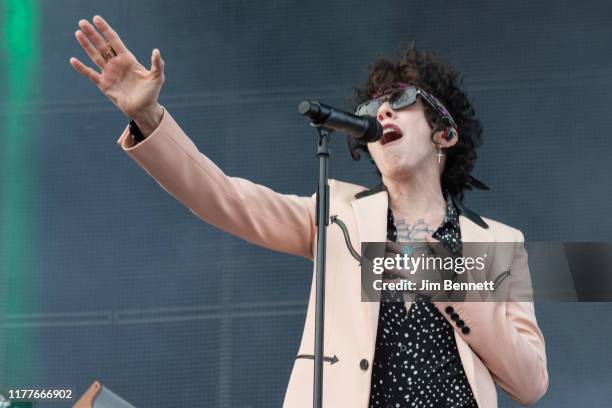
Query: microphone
364, 129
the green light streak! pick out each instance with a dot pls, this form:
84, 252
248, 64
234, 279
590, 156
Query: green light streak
18, 190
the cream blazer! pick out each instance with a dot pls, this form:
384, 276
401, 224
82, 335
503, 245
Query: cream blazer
504, 345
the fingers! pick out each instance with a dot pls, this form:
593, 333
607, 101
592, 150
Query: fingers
431, 239
110, 34
84, 70
395, 247
95, 38
438, 247
157, 64
93, 52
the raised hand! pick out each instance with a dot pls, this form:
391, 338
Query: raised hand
122, 79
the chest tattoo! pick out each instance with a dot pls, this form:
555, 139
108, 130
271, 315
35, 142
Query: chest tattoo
412, 232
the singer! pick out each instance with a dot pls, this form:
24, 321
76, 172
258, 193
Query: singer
399, 353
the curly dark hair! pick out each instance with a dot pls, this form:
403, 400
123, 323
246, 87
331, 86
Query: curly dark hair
428, 72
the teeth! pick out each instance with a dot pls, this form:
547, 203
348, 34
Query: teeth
387, 130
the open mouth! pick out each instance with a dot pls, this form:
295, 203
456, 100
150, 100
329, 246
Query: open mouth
390, 134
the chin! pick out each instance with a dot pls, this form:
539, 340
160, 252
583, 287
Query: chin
398, 171
403, 168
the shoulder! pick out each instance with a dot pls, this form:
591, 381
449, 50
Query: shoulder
500, 232
344, 191
504, 232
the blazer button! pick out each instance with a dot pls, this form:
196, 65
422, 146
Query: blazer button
460, 323
363, 364
454, 316
449, 309
465, 330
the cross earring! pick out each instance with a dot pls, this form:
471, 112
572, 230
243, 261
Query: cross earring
440, 155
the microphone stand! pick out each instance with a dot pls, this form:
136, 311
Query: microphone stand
327, 119
322, 215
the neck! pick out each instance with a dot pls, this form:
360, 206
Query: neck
416, 196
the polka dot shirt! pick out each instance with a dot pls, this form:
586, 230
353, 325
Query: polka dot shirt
416, 361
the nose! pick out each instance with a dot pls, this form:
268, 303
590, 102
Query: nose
385, 112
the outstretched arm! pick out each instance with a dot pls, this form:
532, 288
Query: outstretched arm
248, 210
238, 206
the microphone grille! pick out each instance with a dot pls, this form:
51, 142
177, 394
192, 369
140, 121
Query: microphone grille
304, 107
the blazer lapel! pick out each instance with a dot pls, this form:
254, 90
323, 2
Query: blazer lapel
371, 217
472, 232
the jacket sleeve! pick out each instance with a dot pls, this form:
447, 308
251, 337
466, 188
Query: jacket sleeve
506, 336
250, 211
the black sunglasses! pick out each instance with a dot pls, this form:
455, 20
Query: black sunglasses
403, 96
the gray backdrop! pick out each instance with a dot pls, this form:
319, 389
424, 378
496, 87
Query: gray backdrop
137, 292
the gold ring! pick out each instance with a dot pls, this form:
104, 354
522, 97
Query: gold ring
109, 53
